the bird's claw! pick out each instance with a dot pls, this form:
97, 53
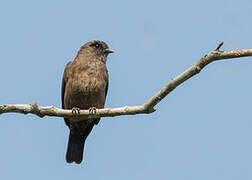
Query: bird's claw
75, 111
92, 110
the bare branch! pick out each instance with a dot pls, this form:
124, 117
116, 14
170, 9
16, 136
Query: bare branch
42, 111
146, 108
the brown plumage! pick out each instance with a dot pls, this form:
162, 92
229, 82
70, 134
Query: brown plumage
84, 86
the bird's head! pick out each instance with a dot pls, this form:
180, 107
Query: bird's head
97, 49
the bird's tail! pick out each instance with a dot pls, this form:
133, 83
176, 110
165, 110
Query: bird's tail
75, 149
76, 146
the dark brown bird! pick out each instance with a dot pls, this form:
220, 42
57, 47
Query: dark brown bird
84, 86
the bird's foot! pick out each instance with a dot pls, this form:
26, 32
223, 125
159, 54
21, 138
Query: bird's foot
92, 110
75, 111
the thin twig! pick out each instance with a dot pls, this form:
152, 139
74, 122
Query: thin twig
219, 46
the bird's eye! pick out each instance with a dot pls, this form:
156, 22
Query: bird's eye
96, 45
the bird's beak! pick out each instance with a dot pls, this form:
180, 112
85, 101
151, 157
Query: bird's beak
109, 51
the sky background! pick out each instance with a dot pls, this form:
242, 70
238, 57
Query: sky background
202, 130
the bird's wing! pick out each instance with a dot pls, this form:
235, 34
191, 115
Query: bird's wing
106, 90
63, 86
64, 81
107, 79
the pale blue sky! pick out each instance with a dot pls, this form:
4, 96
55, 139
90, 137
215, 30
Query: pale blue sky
202, 130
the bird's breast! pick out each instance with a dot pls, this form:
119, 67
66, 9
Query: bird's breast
91, 81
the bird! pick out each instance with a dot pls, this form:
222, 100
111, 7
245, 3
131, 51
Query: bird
84, 86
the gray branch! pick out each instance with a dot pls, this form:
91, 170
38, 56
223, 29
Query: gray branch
146, 108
